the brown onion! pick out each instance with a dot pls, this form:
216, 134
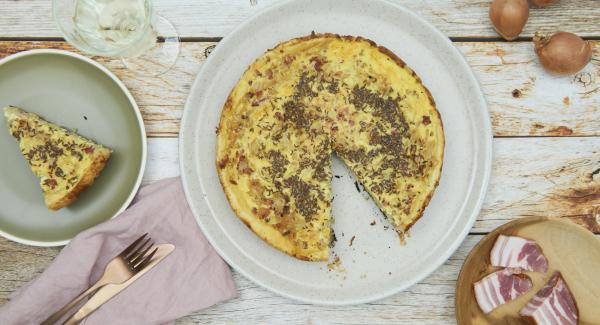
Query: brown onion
562, 53
509, 17
543, 3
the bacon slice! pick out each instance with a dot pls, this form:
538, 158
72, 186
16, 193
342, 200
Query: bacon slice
517, 252
553, 304
500, 287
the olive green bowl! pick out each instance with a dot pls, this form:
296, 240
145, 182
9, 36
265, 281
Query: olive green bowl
73, 91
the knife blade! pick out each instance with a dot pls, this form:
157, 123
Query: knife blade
109, 291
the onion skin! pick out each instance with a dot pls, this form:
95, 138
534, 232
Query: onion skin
562, 53
509, 17
543, 3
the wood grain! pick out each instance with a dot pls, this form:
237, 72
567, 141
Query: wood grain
523, 99
544, 176
529, 178
216, 18
541, 176
430, 302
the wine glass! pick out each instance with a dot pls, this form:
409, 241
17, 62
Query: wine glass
125, 29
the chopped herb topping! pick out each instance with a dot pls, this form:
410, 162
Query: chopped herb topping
305, 203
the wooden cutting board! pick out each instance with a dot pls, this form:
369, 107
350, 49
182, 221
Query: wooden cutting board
569, 248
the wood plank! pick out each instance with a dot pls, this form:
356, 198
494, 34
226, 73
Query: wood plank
557, 177
216, 18
530, 177
523, 99
429, 302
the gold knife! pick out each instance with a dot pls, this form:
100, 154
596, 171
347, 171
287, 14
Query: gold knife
111, 290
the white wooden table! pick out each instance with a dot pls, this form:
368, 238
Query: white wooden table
546, 145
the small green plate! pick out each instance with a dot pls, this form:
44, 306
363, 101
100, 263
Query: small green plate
80, 94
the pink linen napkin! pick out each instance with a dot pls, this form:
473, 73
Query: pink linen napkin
193, 277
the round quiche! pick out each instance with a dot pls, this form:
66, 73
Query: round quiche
307, 99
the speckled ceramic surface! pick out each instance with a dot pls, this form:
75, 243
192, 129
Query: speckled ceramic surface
374, 264
80, 94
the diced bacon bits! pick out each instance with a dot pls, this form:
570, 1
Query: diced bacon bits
223, 163
258, 97
343, 114
517, 252
426, 120
317, 62
500, 287
243, 166
50, 182
269, 74
279, 202
258, 101
553, 304
288, 59
262, 212
257, 94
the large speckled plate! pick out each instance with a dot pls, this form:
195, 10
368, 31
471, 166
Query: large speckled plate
78, 93
371, 262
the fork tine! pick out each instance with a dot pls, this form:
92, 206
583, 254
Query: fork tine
137, 250
138, 256
132, 246
145, 261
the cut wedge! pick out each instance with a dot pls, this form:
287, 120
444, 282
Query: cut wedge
65, 162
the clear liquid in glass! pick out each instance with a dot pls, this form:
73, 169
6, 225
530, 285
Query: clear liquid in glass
114, 27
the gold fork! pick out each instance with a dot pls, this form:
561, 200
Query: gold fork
120, 269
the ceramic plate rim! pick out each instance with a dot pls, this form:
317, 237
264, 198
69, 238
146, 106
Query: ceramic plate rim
139, 119
484, 179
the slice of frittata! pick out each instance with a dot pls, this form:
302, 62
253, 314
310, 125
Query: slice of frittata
65, 162
315, 96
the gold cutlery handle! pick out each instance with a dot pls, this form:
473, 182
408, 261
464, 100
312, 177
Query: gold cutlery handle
110, 290
60, 313
98, 299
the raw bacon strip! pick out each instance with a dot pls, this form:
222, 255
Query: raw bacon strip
500, 287
517, 252
553, 304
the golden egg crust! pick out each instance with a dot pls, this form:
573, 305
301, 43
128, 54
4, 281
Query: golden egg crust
65, 162
307, 99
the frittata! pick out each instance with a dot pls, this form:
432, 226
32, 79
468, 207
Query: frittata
65, 162
315, 96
